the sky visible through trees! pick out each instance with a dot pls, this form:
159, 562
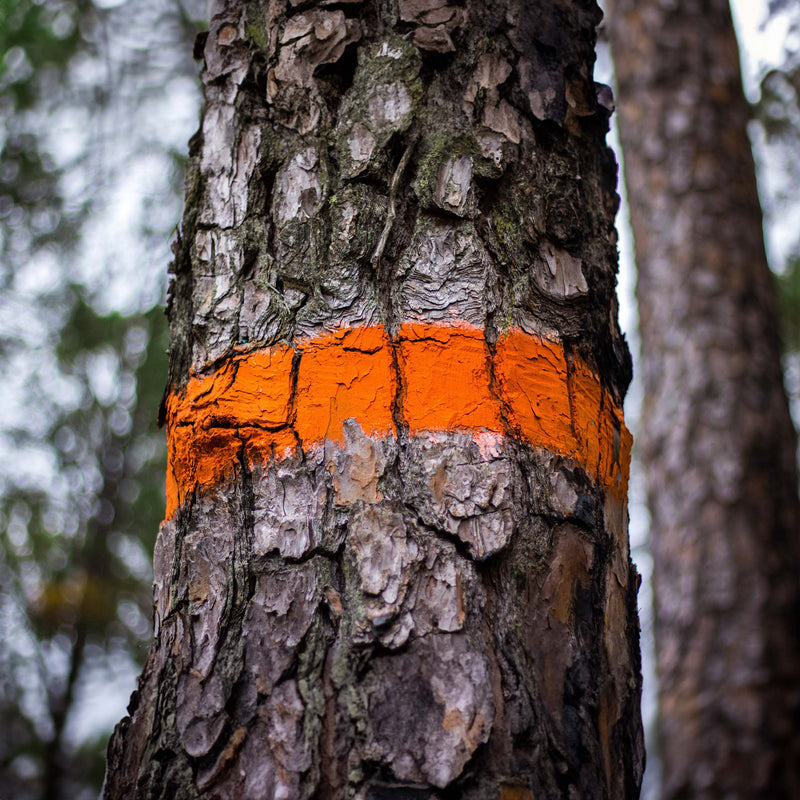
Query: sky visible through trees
98, 101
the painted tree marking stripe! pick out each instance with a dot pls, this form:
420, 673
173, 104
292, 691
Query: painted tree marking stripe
342, 375
445, 379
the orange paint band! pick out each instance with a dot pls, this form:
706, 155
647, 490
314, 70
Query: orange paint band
448, 380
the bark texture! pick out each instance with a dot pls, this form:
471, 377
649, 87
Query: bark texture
717, 439
395, 563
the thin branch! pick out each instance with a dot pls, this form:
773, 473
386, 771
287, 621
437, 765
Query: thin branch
393, 189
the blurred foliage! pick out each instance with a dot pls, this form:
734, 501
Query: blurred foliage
34, 36
76, 562
789, 290
778, 6
37, 42
778, 114
95, 98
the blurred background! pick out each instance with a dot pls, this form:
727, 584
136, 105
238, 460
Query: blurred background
98, 99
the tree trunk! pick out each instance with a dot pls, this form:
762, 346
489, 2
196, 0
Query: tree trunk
717, 440
395, 559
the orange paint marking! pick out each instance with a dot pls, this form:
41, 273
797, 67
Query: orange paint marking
586, 402
345, 374
532, 374
252, 389
445, 377
246, 409
245, 401
615, 454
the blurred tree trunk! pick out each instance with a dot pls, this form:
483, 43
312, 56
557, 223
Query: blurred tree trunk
395, 560
717, 439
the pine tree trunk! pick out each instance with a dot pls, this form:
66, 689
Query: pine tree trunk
717, 441
395, 559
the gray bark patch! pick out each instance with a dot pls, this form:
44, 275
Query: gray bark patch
464, 492
446, 274
429, 708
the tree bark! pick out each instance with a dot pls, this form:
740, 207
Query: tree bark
717, 439
395, 560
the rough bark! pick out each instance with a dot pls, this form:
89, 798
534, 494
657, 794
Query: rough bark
395, 559
717, 440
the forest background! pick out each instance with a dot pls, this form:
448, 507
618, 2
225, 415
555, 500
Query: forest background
98, 99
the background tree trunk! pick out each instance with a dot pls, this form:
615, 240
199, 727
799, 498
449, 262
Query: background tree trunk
717, 440
395, 559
